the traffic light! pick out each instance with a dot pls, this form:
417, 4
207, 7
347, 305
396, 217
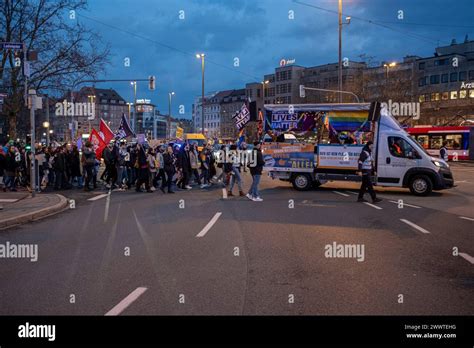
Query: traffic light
302, 92
151, 83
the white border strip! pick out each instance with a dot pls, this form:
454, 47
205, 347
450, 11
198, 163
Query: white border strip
466, 218
8, 200
209, 225
127, 301
415, 226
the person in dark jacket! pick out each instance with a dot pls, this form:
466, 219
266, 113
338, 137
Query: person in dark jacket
365, 169
59, 166
169, 160
76, 166
143, 177
11, 165
256, 171
88, 162
184, 165
109, 155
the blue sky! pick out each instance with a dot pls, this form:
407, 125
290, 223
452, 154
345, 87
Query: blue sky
259, 33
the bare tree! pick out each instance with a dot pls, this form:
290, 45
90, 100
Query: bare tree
67, 51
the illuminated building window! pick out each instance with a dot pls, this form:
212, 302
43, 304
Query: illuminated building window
462, 94
454, 94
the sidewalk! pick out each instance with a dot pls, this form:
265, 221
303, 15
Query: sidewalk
19, 207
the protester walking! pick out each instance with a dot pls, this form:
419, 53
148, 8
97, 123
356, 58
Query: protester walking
256, 172
169, 160
235, 171
365, 169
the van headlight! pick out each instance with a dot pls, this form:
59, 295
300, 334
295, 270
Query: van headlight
440, 164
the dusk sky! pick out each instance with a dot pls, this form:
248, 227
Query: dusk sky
259, 33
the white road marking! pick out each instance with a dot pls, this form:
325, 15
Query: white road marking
107, 205
415, 226
209, 225
352, 192
127, 301
467, 257
340, 193
224, 193
8, 200
406, 204
98, 197
466, 218
372, 205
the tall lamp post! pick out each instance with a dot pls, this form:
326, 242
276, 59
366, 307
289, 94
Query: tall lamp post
129, 111
134, 84
46, 125
348, 20
388, 66
266, 82
170, 94
201, 56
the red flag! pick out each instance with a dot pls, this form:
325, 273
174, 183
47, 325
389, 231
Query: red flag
107, 133
98, 144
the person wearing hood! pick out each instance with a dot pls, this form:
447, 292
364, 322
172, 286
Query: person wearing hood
365, 169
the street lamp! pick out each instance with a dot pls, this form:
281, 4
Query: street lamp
266, 82
170, 94
129, 110
134, 84
46, 125
201, 56
348, 20
388, 66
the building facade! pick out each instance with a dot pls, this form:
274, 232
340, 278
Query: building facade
229, 106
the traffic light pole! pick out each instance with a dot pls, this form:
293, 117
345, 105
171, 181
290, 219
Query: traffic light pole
32, 95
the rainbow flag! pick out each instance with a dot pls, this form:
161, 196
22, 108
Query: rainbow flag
350, 121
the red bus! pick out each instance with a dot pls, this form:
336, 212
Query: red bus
460, 140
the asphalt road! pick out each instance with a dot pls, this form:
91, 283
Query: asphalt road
144, 254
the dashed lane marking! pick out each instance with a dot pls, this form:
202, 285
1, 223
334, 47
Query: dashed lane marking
372, 205
127, 301
340, 193
98, 197
415, 226
406, 204
209, 225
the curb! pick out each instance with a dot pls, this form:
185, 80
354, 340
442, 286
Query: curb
36, 215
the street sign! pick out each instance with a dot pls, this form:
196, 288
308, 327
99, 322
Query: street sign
26, 69
11, 45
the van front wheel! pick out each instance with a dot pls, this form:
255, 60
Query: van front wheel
421, 185
302, 182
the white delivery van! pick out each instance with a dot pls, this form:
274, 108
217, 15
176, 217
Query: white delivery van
399, 160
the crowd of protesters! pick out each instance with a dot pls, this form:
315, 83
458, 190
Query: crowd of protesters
167, 167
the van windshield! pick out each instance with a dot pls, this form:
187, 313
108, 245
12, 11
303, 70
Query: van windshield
418, 145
